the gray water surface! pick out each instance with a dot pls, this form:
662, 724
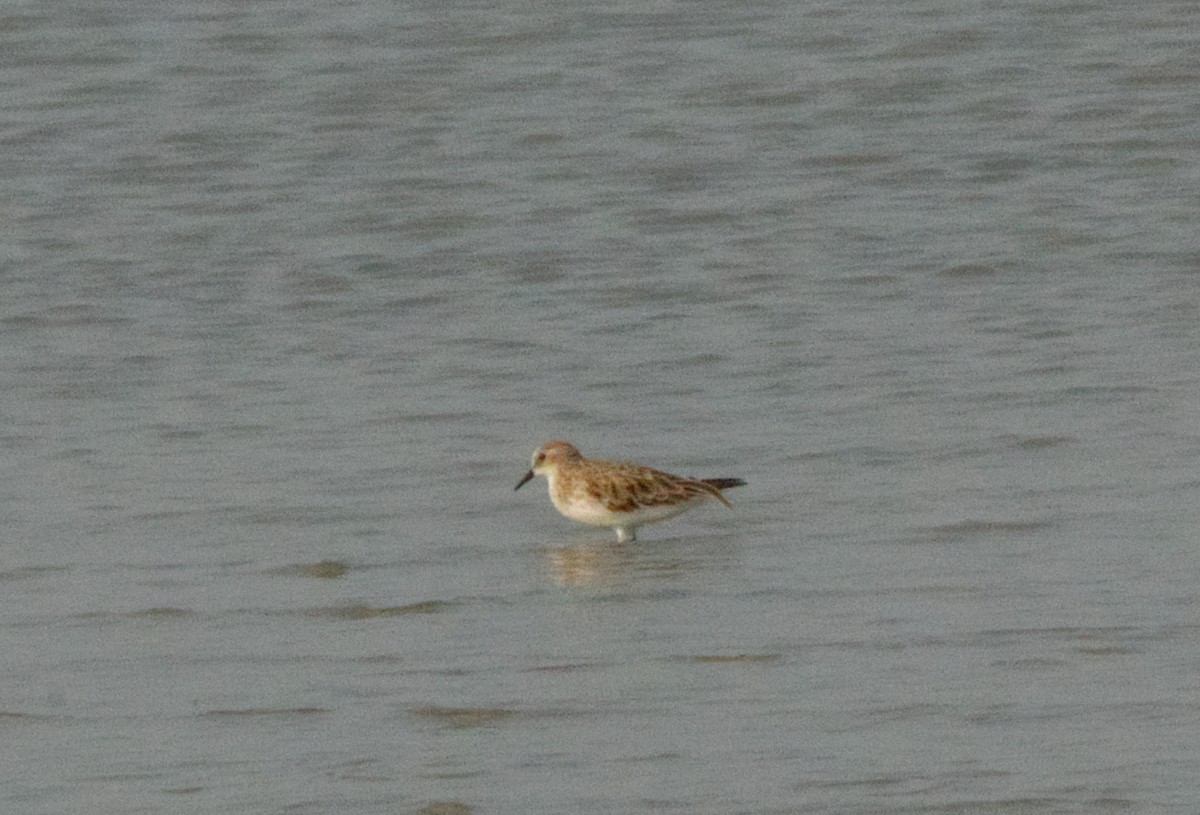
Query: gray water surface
291, 291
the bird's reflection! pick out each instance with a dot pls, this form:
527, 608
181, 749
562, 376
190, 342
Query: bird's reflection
609, 563
589, 564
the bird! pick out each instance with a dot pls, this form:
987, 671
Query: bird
618, 494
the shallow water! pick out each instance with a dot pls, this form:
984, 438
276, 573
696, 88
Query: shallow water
291, 292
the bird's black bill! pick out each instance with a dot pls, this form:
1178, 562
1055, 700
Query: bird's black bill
528, 477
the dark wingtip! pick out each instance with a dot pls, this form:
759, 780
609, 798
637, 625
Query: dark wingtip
724, 483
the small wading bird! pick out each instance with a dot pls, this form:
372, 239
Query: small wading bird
617, 493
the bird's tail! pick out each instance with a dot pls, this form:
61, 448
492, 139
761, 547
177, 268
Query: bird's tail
724, 483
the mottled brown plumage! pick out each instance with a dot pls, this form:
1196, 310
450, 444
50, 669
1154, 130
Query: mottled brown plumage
618, 493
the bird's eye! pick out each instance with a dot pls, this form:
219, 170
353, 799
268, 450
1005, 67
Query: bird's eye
541, 457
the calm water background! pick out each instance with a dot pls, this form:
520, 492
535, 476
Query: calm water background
291, 290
